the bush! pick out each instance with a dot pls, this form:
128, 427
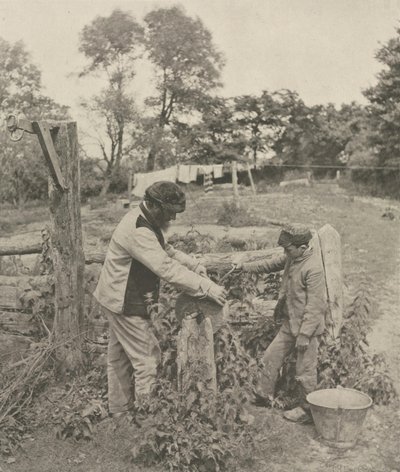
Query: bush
91, 179
345, 361
230, 214
196, 430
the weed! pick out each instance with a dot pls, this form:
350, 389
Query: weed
230, 214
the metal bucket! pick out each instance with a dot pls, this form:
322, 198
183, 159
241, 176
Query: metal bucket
339, 414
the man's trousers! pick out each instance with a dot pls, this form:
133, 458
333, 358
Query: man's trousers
275, 355
133, 352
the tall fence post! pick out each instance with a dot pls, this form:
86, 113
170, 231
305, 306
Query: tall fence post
253, 187
130, 181
67, 252
195, 359
235, 183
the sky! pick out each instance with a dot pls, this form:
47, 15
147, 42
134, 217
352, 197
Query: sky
323, 49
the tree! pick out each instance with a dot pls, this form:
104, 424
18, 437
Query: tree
314, 136
217, 137
384, 113
187, 67
23, 174
112, 45
260, 119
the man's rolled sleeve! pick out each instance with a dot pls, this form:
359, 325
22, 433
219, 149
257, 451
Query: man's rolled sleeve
315, 308
146, 249
188, 261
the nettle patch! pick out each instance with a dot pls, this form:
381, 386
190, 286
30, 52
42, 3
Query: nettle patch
195, 429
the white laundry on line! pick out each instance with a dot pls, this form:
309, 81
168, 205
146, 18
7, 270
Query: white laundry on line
184, 174
142, 181
193, 171
217, 169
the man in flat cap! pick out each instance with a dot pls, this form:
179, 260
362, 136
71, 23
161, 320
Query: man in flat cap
302, 305
137, 258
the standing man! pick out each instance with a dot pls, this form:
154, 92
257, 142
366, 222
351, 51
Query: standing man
302, 305
137, 258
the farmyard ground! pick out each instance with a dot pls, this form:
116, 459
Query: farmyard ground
370, 248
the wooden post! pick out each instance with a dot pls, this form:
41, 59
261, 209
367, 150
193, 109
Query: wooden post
337, 175
196, 354
253, 187
329, 242
130, 178
235, 183
67, 253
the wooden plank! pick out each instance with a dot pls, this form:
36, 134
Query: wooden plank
210, 259
329, 240
17, 322
13, 288
301, 182
20, 249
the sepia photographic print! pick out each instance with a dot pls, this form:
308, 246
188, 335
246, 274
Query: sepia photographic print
199, 235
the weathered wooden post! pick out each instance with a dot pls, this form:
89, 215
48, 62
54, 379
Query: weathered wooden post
59, 143
67, 251
235, 184
331, 253
253, 187
196, 354
130, 181
200, 319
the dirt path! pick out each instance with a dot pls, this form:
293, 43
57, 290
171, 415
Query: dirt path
385, 336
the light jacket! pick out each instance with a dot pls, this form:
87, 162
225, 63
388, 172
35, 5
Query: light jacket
303, 290
136, 259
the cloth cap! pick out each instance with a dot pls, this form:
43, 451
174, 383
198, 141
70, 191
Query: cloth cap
168, 194
295, 234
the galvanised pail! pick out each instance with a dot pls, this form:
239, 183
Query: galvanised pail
339, 414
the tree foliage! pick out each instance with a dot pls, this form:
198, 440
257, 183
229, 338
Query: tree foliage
112, 44
384, 114
187, 65
23, 174
216, 137
260, 119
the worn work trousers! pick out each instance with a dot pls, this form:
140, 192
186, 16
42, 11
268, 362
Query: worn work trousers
274, 357
133, 353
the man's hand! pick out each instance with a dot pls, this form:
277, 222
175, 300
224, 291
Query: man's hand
217, 293
201, 270
302, 342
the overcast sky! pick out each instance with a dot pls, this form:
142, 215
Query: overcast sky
323, 49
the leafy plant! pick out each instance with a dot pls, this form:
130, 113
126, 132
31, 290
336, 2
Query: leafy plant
348, 363
232, 215
196, 429
345, 361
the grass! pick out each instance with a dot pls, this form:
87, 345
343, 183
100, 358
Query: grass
13, 220
282, 446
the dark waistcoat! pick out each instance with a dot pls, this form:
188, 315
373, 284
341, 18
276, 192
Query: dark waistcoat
143, 286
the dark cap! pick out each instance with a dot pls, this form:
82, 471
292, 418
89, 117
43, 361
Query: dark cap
168, 194
295, 234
